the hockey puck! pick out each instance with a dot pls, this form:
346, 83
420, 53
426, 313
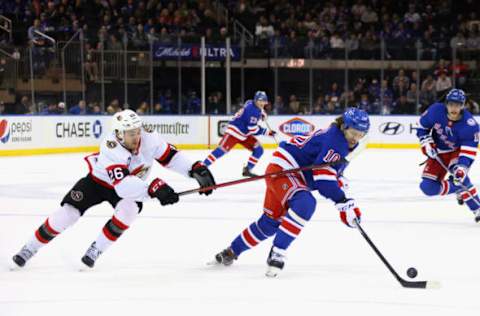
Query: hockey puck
412, 273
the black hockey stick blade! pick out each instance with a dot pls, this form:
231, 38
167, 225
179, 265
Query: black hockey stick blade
403, 282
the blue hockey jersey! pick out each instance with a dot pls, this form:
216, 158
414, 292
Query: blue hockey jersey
323, 146
245, 122
450, 135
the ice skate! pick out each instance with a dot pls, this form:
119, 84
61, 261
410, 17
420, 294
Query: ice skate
225, 257
91, 255
275, 262
23, 256
248, 173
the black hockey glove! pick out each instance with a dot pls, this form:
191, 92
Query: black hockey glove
163, 192
203, 176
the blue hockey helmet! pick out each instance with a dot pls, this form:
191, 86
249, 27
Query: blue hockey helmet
260, 96
456, 96
356, 118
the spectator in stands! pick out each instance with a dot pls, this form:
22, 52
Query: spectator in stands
441, 67
294, 106
401, 106
278, 105
387, 97
139, 38
194, 104
2, 108
96, 109
332, 106
143, 108
79, 109
213, 106
318, 107
23, 106
91, 66
167, 102
113, 43
3, 63
399, 79
412, 93
443, 84
364, 103
428, 94
50, 109
459, 71
412, 16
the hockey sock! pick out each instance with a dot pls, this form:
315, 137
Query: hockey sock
214, 155
471, 199
257, 232
302, 207
56, 223
254, 157
125, 214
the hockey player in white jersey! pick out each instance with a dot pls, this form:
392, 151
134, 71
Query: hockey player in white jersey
117, 175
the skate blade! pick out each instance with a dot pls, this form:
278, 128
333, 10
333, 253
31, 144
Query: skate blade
272, 272
213, 263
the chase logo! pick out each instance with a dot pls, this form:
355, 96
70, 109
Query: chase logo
4, 131
97, 129
297, 126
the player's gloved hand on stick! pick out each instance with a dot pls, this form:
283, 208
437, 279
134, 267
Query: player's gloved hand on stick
349, 212
429, 148
271, 133
203, 176
459, 174
163, 192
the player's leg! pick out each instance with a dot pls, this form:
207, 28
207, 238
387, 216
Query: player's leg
81, 197
433, 182
266, 225
224, 146
252, 144
126, 212
302, 206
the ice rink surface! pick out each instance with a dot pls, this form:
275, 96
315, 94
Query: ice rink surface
158, 267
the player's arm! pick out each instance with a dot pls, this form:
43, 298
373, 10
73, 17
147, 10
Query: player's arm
326, 182
170, 157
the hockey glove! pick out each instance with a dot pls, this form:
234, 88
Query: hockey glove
429, 148
271, 133
459, 174
349, 212
203, 176
163, 192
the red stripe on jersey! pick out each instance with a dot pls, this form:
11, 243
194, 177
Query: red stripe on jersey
108, 235
165, 153
40, 239
50, 229
251, 241
290, 227
137, 170
468, 152
279, 155
118, 223
328, 172
211, 158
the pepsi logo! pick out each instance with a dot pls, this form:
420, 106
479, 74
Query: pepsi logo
297, 126
4, 131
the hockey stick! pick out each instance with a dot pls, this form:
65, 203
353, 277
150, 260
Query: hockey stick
362, 144
263, 176
268, 126
403, 282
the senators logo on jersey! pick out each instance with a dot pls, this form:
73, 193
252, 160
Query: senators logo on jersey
111, 144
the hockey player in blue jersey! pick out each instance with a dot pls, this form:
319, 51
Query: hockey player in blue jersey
241, 130
448, 135
289, 203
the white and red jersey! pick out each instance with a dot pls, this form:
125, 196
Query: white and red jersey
125, 171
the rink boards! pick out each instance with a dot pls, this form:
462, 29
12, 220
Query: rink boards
28, 135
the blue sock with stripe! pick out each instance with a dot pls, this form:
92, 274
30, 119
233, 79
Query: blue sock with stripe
254, 157
214, 155
257, 232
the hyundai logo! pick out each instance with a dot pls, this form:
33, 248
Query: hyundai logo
391, 128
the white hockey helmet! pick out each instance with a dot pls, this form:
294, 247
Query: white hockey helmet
124, 121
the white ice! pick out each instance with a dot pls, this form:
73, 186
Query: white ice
159, 266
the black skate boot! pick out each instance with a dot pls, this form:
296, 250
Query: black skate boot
477, 216
91, 255
225, 257
458, 195
275, 261
23, 256
248, 173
